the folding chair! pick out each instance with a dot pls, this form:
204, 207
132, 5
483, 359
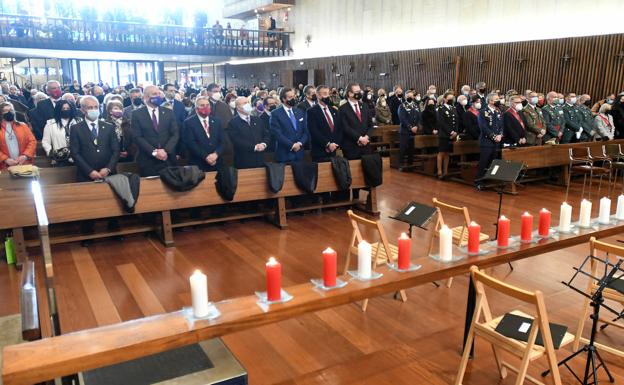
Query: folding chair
614, 152
526, 351
582, 162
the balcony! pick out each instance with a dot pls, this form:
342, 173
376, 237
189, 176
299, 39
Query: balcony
78, 35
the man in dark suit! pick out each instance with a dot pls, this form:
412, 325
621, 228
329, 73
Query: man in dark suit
202, 136
45, 108
93, 143
136, 101
309, 99
514, 123
155, 132
289, 128
355, 125
14, 94
270, 104
249, 136
394, 102
217, 107
175, 105
324, 127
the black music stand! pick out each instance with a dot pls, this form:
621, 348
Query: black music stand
415, 214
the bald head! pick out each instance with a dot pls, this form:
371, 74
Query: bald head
148, 93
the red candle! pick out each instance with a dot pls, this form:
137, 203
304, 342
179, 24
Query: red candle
329, 267
474, 232
544, 222
526, 227
405, 246
274, 280
503, 231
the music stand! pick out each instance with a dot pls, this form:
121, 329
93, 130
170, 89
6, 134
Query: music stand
415, 214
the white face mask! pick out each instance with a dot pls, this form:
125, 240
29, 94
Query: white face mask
232, 104
533, 100
216, 96
572, 100
518, 107
369, 96
463, 102
418, 98
477, 106
247, 109
383, 104
502, 100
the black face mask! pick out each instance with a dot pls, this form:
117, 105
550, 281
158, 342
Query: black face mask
399, 95
271, 108
291, 102
497, 103
357, 96
524, 103
313, 98
588, 103
409, 99
66, 114
430, 107
334, 92
482, 90
326, 100
100, 98
137, 102
9, 116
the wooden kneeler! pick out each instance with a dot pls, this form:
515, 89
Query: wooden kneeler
382, 251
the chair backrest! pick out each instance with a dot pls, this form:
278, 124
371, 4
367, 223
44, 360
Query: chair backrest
441, 206
579, 153
358, 222
612, 150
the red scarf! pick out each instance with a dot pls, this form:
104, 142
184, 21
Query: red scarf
515, 114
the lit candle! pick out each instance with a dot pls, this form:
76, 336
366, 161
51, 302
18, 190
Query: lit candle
274, 280
199, 294
446, 244
526, 227
503, 231
619, 212
585, 213
329, 267
474, 234
364, 260
405, 246
565, 217
604, 215
544, 223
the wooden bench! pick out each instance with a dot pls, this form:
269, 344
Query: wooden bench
384, 139
29, 309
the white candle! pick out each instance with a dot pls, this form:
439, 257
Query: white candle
565, 217
619, 212
585, 213
199, 293
604, 215
446, 244
364, 260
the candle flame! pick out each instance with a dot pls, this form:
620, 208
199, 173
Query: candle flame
503, 217
272, 261
473, 223
526, 213
544, 209
403, 236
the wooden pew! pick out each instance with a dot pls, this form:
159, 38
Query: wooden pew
89, 349
384, 138
20, 213
29, 309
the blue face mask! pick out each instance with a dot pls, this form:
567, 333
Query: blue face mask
156, 100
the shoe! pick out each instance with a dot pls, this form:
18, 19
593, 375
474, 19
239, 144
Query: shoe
86, 242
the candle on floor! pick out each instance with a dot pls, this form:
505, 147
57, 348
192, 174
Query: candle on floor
273, 280
604, 215
503, 231
526, 228
474, 234
585, 213
199, 294
446, 244
565, 217
329, 267
619, 212
364, 260
544, 223
405, 247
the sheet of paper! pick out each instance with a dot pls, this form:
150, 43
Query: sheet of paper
524, 327
409, 211
495, 170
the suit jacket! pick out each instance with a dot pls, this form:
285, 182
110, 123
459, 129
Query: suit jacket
89, 154
408, 119
41, 114
394, 103
244, 138
448, 121
472, 125
147, 139
222, 111
304, 105
265, 118
286, 135
490, 125
321, 133
127, 112
199, 145
352, 129
178, 111
513, 130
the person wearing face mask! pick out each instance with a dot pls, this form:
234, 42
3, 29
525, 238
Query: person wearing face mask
75, 88
429, 117
461, 106
94, 144
114, 111
230, 100
541, 99
586, 118
324, 126
218, 108
270, 104
17, 142
175, 105
369, 99
249, 136
465, 90
535, 127
309, 99
553, 119
394, 102
605, 129
471, 125
573, 128
56, 134
610, 99
491, 136
202, 135
481, 92
355, 124
383, 116
155, 132
288, 126
617, 111
136, 101
514, 123
409, 116
44, 110
448, 123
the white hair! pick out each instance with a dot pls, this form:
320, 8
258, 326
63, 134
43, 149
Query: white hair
201, 97
88, 97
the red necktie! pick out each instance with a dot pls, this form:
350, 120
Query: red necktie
206, 128
357, 112
329, 120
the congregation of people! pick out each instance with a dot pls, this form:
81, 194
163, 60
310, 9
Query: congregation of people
95, 126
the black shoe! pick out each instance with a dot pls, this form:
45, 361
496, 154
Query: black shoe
86, 242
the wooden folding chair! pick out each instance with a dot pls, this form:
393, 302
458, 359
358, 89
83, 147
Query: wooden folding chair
612, 253
526, 351
382, 251
460, 233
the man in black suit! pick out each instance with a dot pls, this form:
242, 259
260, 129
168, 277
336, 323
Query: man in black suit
322, 120
217, 107
354, 122
136, 102
93, 143
156, 133
270, 104
514, 123
45, 108
309, 99
202, 136
394, 102
175, 105
249, 136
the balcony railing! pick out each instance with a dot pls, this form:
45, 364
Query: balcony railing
72, 34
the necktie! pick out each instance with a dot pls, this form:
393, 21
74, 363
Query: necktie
206, 127
329, 119
292, 119
93, 131
357, 112
154, 120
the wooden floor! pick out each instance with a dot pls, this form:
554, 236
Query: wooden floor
417, 342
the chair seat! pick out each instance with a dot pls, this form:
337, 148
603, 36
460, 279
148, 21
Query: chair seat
382, 257
586, 169
618, 165
464, 241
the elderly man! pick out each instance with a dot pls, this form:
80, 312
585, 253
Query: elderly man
536, 127
217, 107
202, 136
514, 122
553, 118
155, 132
14, 94
45, 108
249, 136
583, 107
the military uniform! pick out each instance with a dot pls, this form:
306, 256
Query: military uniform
572, 123
587, 122
448, 121
491, 125
535, 124
554, 120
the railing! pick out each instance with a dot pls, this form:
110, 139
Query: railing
60, 33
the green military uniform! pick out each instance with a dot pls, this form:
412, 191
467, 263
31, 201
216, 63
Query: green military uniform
554, 120
572, 123
587, 122
535, 124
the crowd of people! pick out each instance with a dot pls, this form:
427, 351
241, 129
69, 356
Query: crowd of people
94, 127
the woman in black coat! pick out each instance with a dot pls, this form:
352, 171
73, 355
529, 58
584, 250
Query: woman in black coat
430, 118
617, 111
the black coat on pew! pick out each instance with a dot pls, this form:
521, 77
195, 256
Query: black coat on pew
244, 137
93, 154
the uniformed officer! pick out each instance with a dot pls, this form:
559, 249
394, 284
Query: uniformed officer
491, 125
586, 117
409, 119
572, 128
536, 128
553, 118
448, 123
